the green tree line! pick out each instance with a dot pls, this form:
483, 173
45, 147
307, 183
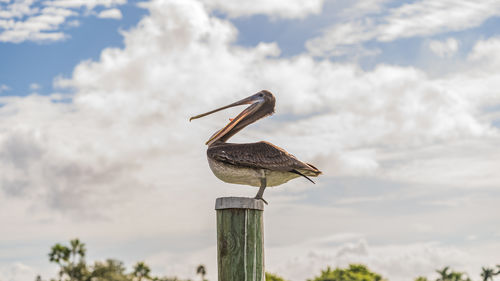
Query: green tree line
73, 267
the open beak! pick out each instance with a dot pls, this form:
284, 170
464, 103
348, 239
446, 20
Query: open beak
255, 102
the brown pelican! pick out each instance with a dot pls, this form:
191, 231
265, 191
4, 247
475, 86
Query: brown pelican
259, 164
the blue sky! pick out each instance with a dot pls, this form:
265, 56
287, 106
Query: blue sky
396, 102
30, 62
38, 62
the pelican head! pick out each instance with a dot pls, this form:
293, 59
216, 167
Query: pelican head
261, 105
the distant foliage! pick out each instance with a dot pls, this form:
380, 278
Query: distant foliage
109, 270
273, 277
201, 270
355, 272
141, 271
447, 274
72, 267
71, 261
488, 273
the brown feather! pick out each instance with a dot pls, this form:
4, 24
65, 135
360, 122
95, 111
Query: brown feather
262, 155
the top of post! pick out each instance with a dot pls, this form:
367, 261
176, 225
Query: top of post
239, 203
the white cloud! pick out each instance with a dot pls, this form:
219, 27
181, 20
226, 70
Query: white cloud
362, 8
122, 157
419, 18
273, 8
39, 27
17, 271
402, 108
393, 261
428, 17
18, 9
456, 169
27, 20
35, 86
4, 88
481, 55
73, 23
446, 48
110, 14
85, 3
337, 40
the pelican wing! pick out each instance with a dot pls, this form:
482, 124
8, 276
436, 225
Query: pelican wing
261, 155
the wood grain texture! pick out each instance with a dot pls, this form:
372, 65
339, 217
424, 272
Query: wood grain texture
238, 203
240, 245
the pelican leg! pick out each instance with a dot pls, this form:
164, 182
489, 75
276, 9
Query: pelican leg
261, 190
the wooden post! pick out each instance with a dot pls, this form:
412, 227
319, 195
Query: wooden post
240, 239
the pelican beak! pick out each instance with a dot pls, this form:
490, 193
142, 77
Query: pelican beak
254, 100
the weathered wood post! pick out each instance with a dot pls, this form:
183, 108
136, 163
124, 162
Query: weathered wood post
240, 239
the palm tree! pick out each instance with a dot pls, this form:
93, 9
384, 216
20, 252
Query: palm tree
60, 254
458, 276
77, 248
201, 270
77, 269
141, 270
444, 275
488, 273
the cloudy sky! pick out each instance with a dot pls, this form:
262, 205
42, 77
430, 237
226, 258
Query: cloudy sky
398, 104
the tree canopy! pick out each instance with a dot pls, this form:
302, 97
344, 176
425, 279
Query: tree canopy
273, 277
355, 272
72, 266
447, 274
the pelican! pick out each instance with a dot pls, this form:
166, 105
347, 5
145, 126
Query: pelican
259, 164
